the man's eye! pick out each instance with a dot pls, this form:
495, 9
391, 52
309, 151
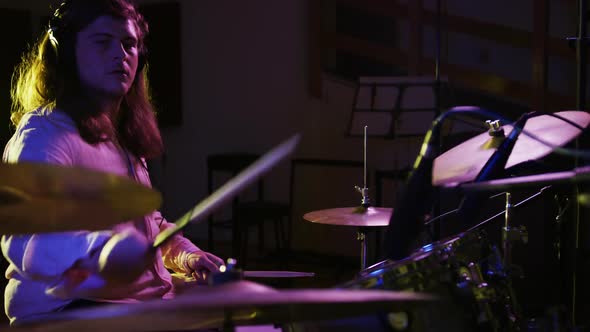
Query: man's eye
129, 45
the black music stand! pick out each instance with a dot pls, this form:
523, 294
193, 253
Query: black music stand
393, 107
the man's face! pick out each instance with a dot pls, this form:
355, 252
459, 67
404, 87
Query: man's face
107, 56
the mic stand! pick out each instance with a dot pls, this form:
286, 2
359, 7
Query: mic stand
581, 52
435, 228
581, 42
405, 224
581, 55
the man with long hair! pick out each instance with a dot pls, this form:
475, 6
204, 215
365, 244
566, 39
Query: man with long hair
80, 98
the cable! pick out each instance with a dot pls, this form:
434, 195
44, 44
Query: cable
565, 120
504, 211
431, 220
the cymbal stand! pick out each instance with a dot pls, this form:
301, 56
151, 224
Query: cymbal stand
509, 236
364, 191
361, 234
507, 232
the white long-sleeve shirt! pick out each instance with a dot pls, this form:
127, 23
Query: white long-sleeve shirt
38, 261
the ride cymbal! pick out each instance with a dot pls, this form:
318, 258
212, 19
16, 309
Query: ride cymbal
233, 304
36, 198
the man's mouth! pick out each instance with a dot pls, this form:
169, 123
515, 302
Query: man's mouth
120, 72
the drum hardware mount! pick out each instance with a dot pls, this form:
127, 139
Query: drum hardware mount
472, 284
563, 204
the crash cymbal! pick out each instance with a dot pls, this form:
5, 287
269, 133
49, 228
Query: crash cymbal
463, 162
36, 198
233, 304
351, 216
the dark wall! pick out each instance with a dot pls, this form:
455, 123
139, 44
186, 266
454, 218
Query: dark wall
165, 60
16, 27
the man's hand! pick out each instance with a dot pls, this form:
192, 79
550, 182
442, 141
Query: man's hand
201, 264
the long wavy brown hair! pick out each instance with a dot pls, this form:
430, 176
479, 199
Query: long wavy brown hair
47, 77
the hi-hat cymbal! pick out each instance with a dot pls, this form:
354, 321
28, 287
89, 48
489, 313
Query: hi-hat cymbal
182, 282
351, 216
36, 198
234, 304
463, 162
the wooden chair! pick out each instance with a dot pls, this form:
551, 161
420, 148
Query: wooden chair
245, 213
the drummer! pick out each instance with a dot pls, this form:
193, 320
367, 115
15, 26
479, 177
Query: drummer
80, 99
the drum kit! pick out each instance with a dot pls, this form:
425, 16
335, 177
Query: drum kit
467, 268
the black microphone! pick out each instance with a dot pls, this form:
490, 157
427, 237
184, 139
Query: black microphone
493, 169
405, 225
